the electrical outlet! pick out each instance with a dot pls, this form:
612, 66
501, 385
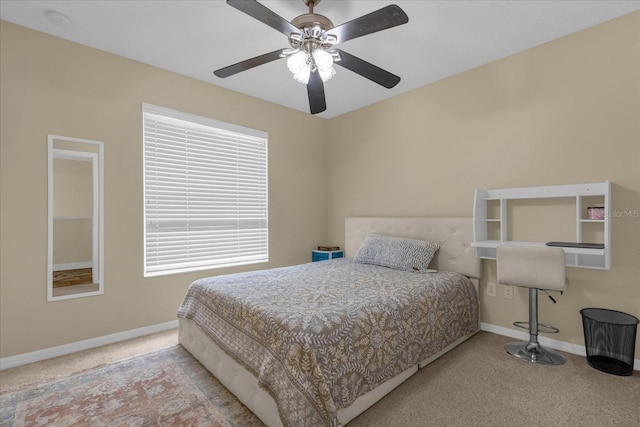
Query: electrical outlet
507, 292
491, 289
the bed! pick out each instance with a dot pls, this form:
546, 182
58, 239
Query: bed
319, 343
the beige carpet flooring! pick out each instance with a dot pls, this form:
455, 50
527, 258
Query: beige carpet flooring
476, 384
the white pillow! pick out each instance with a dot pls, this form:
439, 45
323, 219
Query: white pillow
396, 252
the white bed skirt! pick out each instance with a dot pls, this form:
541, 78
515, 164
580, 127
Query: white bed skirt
244, 385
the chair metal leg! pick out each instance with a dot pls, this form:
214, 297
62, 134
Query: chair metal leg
532, 351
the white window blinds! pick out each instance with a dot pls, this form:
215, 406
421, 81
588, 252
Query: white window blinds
205, 192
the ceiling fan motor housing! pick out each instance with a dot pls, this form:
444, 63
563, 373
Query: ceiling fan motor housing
312, 19
313, 32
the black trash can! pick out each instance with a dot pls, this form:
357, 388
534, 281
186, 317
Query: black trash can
610, 340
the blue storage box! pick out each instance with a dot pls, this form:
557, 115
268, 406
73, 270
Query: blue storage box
325, 255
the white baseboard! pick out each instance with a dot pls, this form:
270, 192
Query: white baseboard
72, 266
545, 341
61, 350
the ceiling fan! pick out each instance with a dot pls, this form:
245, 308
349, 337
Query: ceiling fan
312, 54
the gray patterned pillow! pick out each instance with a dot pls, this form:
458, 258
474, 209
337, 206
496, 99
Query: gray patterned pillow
396, 252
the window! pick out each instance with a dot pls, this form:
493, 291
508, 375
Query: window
205, 193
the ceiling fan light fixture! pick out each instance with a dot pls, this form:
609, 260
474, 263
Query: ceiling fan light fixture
299, 65
327, 74
311, 45
323, 59
324, 63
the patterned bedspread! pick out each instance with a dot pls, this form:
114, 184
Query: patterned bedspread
320, 335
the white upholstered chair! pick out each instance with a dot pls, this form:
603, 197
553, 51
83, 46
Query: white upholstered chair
536, 268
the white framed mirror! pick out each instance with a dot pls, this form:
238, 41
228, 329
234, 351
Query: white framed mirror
75, 218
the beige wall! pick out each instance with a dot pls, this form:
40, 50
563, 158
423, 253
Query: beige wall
72, 188
51, 86
565, 112
72, 242
561, 113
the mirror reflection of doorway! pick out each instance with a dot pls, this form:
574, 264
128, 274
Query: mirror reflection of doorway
75, 218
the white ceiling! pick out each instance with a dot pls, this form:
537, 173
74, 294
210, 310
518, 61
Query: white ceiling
193, 38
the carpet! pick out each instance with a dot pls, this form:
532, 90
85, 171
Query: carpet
164, 388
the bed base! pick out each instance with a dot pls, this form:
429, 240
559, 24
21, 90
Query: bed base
244, 385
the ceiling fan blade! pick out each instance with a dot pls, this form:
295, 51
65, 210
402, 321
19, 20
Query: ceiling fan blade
248, 64
315, 89
368, 70
264, 15
382, 19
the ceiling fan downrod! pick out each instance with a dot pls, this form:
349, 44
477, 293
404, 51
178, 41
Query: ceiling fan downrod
311, 4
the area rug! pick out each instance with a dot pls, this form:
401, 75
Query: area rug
164, 388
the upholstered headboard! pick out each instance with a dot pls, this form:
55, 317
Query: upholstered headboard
453, 234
